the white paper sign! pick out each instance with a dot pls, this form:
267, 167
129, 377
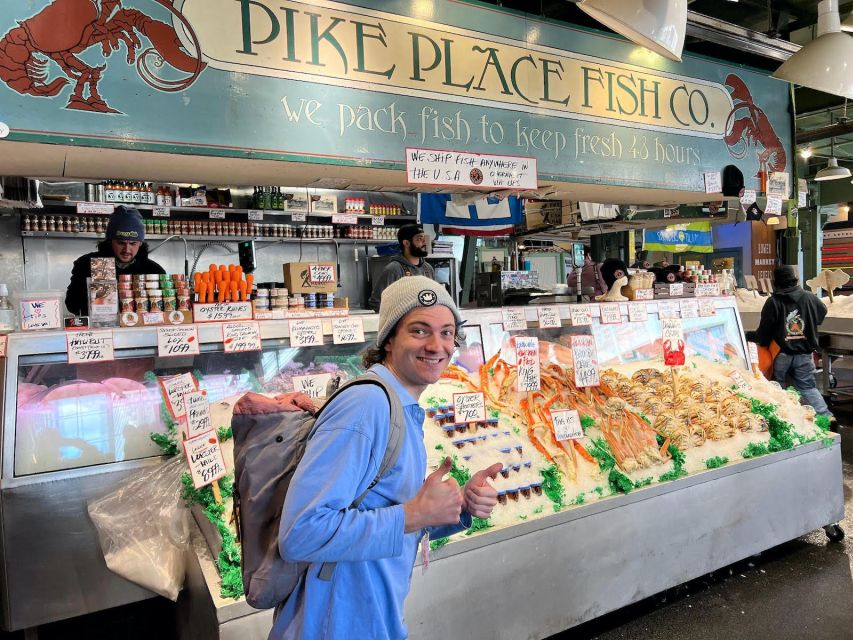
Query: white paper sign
197, 412
40, 314
749, 196
297, 217
676, 289
313, 386
586, 361
4, 343
321, 273
774, 206
95, 207
778, 184
637, 312
802, 199
89, 346
713, 182
161, 212
216, 214
671, 330
753, 352
345, 218
241, 336
256, 215
689, 308
644, 294
706, 289
378, 221
513, 319
581, 315
347, 330
707, 308
222, 311
567, 424
739, 380
527, 360
469, 407
610, 313
306, 333
667, 309
549, 317
177, 340
205, 459
461, 168
174, 389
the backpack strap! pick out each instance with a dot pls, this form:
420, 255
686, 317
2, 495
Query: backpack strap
396, 433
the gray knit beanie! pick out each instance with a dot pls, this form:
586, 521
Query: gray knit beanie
411, 292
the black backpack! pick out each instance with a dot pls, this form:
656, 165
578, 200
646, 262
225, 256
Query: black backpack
267, 451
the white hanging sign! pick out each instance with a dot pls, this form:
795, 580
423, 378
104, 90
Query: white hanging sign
513, 319
463, 168
549, 317
713, 182
637, 312
581, 315
610, 313
689, 308
348, 330
306, 333
177, 340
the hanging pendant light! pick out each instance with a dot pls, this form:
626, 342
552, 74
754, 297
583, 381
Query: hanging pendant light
832, 171
847, 25
658, 25
825, 63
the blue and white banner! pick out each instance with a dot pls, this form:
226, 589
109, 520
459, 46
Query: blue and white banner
694, 236
485, 217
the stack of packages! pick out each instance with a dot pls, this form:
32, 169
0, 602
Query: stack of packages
103, 292
223, 284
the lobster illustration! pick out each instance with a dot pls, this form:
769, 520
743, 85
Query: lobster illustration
747, 125
65, 28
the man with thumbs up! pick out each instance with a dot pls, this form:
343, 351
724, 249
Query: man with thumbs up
375, 544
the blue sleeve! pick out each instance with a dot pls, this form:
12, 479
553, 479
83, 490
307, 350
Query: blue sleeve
449, 529
317, 523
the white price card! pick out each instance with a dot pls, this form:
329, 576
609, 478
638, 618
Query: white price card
585, 361
581, 315
739, 380
469, 407
707, 308
216, 214
753, 352
347, 330
671, 330
513, 319
667, 309
676, 289
345, 218
40, 314
197, 412
637, 312
298, 217
713, 182
549, 317
749, 196
95, 207
689, 308
89, 346
321, 274
256, 215
773, 207
222, 311
177, 340
707, 289
313, 386
644, 294
567, 424
174, 388
205, 459
378, 221
306, 333
610, 313
4, 344
527, 361
161, 212
241, 336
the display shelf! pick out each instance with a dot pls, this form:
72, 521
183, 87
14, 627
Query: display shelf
199, 238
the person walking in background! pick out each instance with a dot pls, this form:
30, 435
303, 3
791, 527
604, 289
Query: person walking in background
591, 276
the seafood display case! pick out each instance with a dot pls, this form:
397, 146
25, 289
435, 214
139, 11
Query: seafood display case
675, 472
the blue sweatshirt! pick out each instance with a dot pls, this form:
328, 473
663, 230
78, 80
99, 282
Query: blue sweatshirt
364, 598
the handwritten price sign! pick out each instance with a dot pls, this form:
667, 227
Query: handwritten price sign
739, 380
222, 311
527, 359
177, 341
667, 310
469, 407
707, 308
197, 412
676, 289
205, 459
241, 336
581, 315
513, 319
637, 312
174, 388
586, 361
321, 273
549, 317
312, 386
610, 313
707, 289
753, 352
306, 333
89, 346
567, 424
689, 308
347, 330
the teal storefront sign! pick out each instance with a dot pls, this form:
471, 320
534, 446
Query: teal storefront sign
355, 83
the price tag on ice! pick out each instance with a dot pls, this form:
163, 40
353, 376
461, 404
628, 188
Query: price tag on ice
177, 341
527, 360
637, 312
174, 388
513, 319
689, 308
89, 346
306, 333
739, 380
347, 330
205, 459
707, 308
378, 221
241, 336
585, 361
753, 352
667, 309
676, 289
161, 212
567, 424
713, 182
610, 313
197, 412
255, 215
581, 315
313, 386
216, 214
549, 317
321, 273
469, 407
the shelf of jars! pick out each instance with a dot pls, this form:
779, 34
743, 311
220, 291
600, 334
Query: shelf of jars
201, 238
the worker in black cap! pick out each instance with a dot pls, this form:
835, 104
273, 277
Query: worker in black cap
125, 241
410, 262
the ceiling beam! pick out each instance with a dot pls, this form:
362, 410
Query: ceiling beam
734, 36
822, 133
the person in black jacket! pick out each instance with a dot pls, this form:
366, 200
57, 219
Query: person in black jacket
125, 241
790, 318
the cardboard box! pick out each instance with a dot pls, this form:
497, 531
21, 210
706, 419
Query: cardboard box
310, 277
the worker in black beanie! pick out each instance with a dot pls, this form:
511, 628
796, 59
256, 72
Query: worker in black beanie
414, 247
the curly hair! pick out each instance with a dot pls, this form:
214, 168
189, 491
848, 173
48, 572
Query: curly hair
373, 355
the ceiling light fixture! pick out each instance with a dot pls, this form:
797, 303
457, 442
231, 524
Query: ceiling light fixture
847, 25
832, 171
658, 25
825, 63
806, 153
